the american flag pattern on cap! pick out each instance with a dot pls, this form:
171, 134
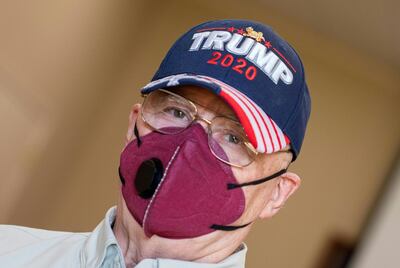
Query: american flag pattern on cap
263, 133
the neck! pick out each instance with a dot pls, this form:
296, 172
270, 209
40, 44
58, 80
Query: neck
136, 246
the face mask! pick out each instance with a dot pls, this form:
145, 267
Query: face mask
174, 186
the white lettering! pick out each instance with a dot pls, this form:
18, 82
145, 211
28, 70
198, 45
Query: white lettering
198, 39
282, 72
216, 40
262, 59
267, 61
232, 45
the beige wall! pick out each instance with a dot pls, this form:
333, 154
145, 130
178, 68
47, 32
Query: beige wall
379, 246
69, 73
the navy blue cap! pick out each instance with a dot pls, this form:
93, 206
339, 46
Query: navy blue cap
253, 69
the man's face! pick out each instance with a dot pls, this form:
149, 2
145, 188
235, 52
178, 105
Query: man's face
262, 200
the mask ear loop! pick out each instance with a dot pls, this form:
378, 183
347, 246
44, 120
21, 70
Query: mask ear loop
135, 130
139, 142
121, 178
234, 186
228, 227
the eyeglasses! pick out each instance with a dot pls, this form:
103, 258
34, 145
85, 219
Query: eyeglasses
170, 113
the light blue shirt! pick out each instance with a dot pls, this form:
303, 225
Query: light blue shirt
28, 247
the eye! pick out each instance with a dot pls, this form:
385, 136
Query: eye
176, 112
233, 138
179, 114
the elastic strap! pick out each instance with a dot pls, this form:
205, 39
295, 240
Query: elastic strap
236, 185
135, 130
227, 227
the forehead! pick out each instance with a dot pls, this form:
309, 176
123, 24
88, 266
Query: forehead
206, 99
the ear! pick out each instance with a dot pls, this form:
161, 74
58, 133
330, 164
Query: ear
133, 115
287, 184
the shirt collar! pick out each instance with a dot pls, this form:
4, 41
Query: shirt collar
99, 241
102, 240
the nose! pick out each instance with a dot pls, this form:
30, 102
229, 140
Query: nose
205, 123
148, 177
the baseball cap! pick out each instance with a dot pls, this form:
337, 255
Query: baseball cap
253, 70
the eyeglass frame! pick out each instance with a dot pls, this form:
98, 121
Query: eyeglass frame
197, 117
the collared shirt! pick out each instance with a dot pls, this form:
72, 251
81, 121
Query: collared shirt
28, 247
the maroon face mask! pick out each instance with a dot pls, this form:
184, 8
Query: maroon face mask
174, 186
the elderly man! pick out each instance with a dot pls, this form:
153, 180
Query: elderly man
207, 153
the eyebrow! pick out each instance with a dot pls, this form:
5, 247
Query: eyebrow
231, 116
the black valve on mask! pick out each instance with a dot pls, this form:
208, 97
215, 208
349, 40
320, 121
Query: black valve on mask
148, 177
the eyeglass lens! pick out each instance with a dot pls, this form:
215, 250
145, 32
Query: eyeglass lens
170, 113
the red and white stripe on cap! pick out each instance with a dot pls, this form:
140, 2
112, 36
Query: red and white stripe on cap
263, 133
